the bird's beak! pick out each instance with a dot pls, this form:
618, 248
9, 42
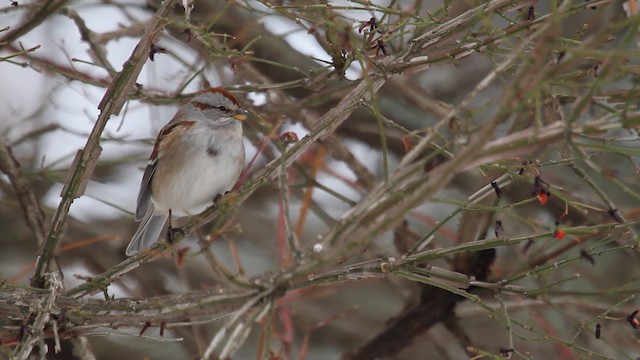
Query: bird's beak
241, 114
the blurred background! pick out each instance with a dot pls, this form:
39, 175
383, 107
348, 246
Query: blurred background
369, 234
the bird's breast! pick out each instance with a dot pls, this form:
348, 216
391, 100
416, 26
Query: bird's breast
189, 175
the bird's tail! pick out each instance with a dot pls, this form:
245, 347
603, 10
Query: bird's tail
148, 232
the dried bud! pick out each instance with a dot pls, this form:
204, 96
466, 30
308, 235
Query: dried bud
289, 138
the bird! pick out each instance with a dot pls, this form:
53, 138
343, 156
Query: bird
197, 157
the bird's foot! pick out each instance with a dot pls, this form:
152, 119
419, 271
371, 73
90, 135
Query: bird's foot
173, 233
220, 196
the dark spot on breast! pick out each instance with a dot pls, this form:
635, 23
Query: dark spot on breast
213, 151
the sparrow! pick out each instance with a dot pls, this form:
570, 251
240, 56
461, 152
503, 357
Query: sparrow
198, 156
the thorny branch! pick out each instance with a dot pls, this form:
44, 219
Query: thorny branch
87, 158
530, 65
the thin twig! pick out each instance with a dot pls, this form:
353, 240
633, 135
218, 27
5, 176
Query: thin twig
31, 210
42, 14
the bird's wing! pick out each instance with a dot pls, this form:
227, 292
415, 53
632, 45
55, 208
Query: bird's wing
164, 140
144, 195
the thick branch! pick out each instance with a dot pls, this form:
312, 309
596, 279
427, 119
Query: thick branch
81, 316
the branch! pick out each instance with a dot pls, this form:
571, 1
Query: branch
31, 210
83, 316
40, 16
87, 158
43, 308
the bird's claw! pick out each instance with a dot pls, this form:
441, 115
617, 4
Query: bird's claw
173, 232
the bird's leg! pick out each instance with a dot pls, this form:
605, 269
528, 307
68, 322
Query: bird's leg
220, 196
172, 232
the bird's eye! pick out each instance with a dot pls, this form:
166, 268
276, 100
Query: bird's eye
222, 108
